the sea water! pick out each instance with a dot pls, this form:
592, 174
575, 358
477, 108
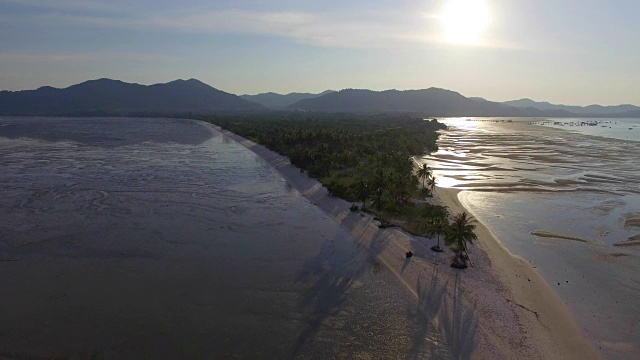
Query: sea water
523, 175
161, 238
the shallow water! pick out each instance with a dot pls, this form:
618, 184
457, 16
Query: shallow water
577, 181
130, 238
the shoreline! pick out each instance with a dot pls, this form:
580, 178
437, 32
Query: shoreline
514, 313
546, 318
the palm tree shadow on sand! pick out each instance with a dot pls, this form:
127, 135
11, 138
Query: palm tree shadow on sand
333, 272
458, 326
430, 301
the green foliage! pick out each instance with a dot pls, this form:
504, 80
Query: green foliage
460, 232
437, 226
364, 158
424, 173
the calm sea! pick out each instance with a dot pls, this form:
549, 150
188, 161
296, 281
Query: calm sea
164, 239
582, 181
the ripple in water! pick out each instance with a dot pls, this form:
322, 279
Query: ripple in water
520, 178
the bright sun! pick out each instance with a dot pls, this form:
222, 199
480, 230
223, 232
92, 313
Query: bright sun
464, 21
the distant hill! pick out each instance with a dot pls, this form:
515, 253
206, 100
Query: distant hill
432, 102
113, 97
279, 101
591, 109
105, 97
441, 102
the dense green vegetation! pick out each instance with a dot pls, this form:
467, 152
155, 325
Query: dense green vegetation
364, 158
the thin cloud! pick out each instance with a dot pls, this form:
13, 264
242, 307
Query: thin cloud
66, 5
324, 29
319, 29
21, 58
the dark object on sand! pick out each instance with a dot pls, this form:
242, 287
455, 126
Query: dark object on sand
436, 248
354, 208
458, 262
409, 254
385, 224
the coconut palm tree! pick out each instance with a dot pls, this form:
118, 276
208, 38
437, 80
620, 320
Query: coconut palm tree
424, 173
432, 184
380, 184
459, 233
363, 193
437, 226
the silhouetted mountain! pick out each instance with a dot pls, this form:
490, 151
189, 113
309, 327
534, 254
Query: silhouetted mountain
440, 102
591, 109
432, 102
631, 114
279, 101
184, 97
113, 97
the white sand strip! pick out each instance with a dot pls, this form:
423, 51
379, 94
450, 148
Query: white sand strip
499, 309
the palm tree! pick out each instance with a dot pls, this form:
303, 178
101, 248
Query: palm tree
380, 183
424, 173
432, 184
363, 193
459, 233
437, 226
400, 189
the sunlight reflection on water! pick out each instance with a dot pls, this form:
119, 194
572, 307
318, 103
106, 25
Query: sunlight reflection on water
518, 178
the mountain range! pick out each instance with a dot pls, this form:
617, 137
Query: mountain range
441, 102
185, 97
113, 97
591, 109
277, 101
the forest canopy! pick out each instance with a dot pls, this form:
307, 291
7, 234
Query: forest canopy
357, 157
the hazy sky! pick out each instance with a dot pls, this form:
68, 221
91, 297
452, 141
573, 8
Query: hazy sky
563, 51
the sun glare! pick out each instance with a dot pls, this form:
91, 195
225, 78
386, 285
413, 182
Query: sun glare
464, 21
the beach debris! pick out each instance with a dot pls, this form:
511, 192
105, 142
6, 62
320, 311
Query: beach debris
385, 224
458, 262
409, 254
354, 208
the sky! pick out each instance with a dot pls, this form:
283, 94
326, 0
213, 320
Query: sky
576, 52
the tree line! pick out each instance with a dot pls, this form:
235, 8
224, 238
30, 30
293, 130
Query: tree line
361, 158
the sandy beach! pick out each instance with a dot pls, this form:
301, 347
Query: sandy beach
163, 239
180, 241
500, 309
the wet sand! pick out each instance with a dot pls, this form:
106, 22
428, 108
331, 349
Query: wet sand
133, 279
522, 179
501, 308
184, 245
551, 328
